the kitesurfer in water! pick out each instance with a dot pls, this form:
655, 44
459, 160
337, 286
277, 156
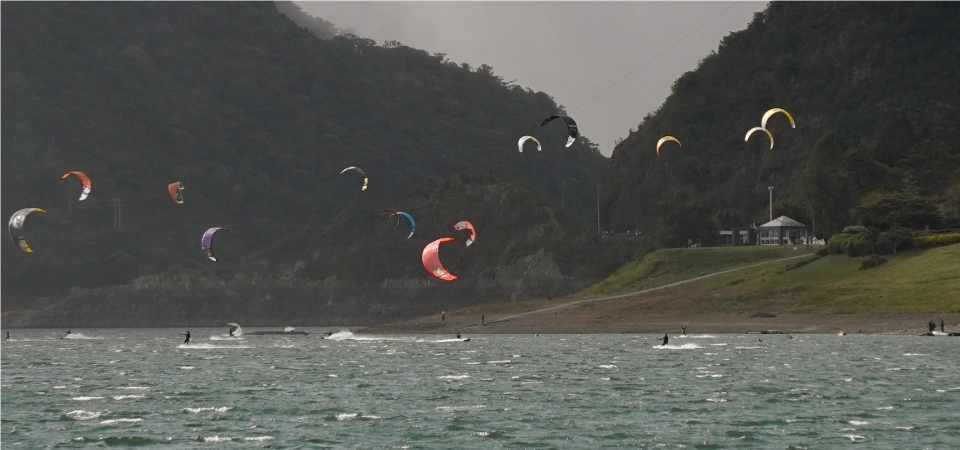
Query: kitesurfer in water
7, 336
683, 328
68, 334
458, 335
232, 329
665, 339
187, 340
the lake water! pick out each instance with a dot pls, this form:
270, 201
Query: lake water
142, 387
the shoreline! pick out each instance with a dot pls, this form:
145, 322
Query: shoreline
594, 321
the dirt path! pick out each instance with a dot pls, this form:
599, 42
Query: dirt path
629, 294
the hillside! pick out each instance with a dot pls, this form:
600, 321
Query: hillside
323, 276
874, 85
255, 116
813, 294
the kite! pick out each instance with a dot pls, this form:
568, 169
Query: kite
571, 128
84, 180
16, 227
431, 260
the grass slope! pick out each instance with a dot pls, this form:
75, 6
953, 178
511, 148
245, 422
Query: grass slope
914, 282
671, 265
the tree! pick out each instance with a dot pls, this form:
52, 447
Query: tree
684, 218
824, 188
886, 210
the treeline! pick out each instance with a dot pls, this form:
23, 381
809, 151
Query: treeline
874, 90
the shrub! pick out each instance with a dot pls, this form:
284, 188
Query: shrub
936, 240
822, 252
871, 262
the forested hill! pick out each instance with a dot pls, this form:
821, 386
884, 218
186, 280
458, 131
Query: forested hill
255, 115
874, 86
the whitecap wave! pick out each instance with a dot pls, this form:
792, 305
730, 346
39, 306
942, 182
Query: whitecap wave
676, 347
86, 399
209, 346
125, 397
80, 336
217, 439
207, 408
347, 335
116, 421
80, 414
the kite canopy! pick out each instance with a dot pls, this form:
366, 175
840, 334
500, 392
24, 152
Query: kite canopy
665, 139
16, 227
771, 112
413, 224
431, 260
528, 138
175, 190
571, 128
84, 180
238, 331
755, 129
206, 242
465, 225
365, 179
392, 212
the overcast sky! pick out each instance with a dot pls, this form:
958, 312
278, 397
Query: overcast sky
570, 50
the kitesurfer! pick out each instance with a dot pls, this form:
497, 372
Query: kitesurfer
7, 336
68, 334
683, 328
232, 329
665, 339
932, 326
458, 335
187, 340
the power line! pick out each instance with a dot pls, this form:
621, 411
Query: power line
654, 57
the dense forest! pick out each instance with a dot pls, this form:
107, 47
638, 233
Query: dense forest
256, 116
875, 91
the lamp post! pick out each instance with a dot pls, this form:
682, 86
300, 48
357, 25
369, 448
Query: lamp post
770, 188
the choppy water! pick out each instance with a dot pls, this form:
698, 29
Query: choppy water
143, 388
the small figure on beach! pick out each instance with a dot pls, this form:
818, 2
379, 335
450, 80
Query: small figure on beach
443, 316
941, 325
665, 339
932, 326
482, 319
187, 340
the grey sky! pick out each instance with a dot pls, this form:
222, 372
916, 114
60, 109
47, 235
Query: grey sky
570, 50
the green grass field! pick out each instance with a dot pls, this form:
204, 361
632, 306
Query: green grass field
912, 282
667, 266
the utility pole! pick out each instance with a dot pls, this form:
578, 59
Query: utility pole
771, 202
116, 212
598, 210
